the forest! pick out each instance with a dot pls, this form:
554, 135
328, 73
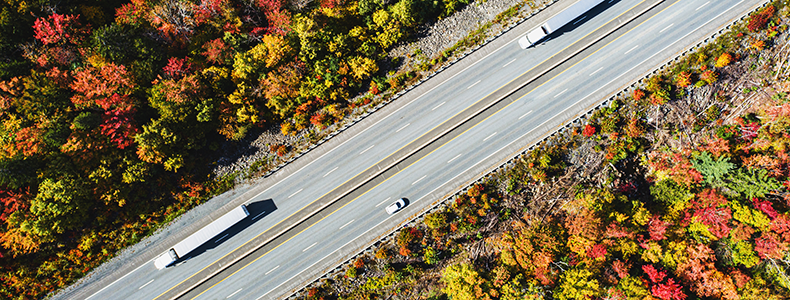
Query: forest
112, 113
678, 190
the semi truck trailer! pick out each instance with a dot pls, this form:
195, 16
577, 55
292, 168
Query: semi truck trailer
557, 21
200, 237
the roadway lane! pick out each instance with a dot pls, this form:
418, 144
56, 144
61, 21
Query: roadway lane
345, 161
542, 104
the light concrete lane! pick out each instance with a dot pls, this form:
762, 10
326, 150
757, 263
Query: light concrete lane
404, 179
295, 185
292, 184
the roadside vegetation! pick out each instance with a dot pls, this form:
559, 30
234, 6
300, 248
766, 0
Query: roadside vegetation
113, 113
678, 191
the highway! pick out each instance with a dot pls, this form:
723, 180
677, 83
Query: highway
426, 174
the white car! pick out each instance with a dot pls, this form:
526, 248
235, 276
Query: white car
394, 207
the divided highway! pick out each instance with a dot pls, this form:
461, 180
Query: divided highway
425, 170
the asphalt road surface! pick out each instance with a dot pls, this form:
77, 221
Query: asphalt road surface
426, 172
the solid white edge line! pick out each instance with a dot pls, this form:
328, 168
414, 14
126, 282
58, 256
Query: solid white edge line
122, 277
366, 150
706, 23
234, 293
418, 180
330, 171
294, 194
344, 225
308, 247
147, 283
404, 126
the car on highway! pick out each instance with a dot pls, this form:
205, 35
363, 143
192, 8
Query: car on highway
395, 207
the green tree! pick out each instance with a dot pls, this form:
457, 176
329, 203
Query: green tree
751, 183
714, 171
61, 204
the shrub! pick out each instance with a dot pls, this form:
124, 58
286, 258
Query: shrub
723, 60
589, 130
639, 94
683, 79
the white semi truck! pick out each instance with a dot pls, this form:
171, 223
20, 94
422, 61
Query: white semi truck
200, 237
557, 21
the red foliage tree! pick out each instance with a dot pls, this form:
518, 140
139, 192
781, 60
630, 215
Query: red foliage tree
639, 94
118, 125
770, 246
215, 51
657, 228
12, 200
716, 218
177, 67
757, 21
668, 291
59, 29
654, 274
589, 130
107, 87
765, 207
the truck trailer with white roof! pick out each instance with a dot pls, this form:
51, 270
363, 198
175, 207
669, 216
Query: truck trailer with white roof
200, 237
557, 21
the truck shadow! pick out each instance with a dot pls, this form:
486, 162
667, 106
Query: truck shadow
579, 21
258, 210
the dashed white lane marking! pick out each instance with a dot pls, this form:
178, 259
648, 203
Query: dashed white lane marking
701, 6
404, 126
596, 71
327, 173
524, 115
457, 156
308, 247
418, 180
234, 293
490, 136
665, 28
349, 242
440, 104
294, 194
510, 62
632, 49
474, 84
219, 239
579, 20
366, 150
147, 283
344, 225
272, 270
382, 202
557, 95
